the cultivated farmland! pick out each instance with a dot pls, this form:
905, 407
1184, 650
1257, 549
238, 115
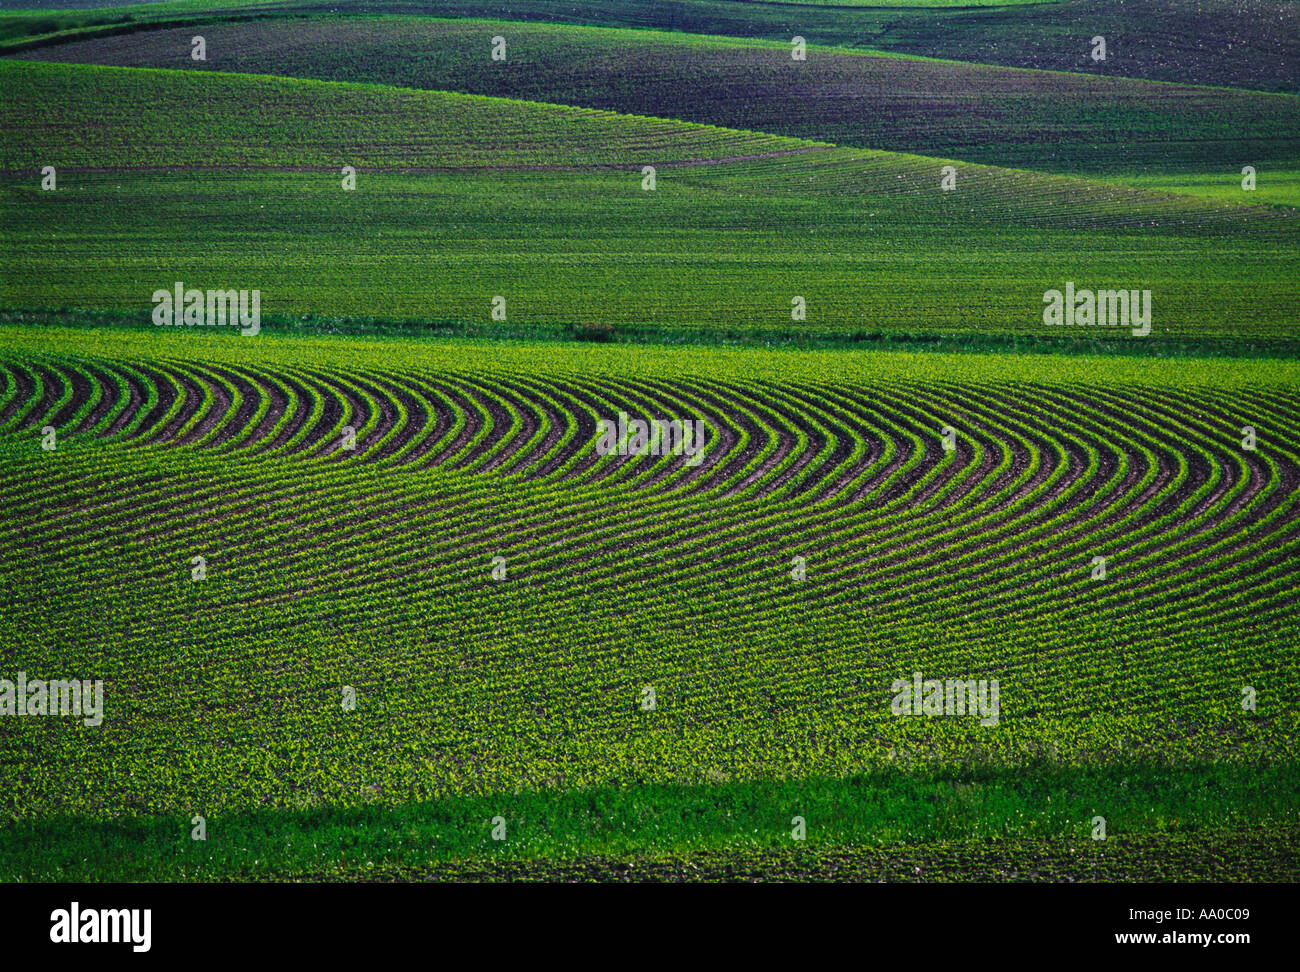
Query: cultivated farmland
1247, 44
371, 568
465, 198
391, 586
1049, 121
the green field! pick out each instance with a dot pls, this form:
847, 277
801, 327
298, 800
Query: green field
372, 569
558, 223
1049, 121
439, 632
1255, 47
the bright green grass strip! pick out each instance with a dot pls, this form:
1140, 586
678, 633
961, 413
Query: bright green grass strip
1276, 185
277, 351
879, 810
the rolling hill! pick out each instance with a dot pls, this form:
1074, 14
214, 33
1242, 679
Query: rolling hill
462, 199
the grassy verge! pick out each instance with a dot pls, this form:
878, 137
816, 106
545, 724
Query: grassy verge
972, 812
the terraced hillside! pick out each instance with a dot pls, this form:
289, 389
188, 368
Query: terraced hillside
999, 116
463, 199
372, 567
